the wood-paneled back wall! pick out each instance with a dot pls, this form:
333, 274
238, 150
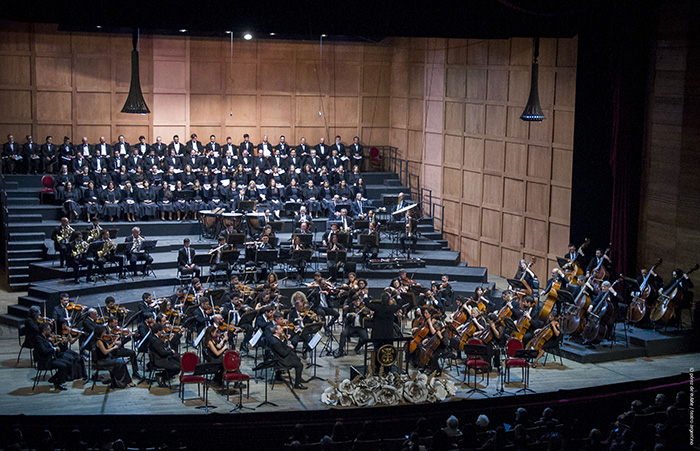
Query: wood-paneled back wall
75, 85
505, 184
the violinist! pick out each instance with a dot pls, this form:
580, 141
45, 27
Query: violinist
117, 370
334, 266
45, 356
31, 328
89, 325
69, 336
433, 299
172, 335
215, 259
144, 333
61, 311
353, 325
201, 317
298, 258
553, 342
147, 307
121, 351
266, 322
362, 290
600, 259
233, 312
320, 303
300, 316
163, 356
214, 345
286, 355
445, 292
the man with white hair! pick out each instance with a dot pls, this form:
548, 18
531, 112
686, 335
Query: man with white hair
136, 252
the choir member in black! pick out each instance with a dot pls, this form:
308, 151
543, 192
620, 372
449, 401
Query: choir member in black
197, 203
292, 191
121, 351
79, 257
48, 155
155, 177
63, 178
334, 266
129, 201
286, 356
135, 253
146, 308
353, 325
214, 345
163, 356
62, 236
310, 195
104, 354
108, 254
91, 201
354, 177
82, 177
111, 201
70, 199
185, 259
45, 355
148, 207
600, 259
179, 204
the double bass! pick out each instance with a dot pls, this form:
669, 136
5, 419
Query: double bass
642, 303
572, 269
601, 319
574, 317
551, 298
665, 307
522, 325
599, 273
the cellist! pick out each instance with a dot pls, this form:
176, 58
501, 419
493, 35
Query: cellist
557, 277
553, 342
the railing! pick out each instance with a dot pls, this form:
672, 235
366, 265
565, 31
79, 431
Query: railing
424, 196
3, 221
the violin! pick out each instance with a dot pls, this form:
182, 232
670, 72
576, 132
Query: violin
68, 330
74, 306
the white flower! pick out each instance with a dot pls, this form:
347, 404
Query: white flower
371, 383
330, 396
450, 387
415, 392
363, 397
439, 392
345, 399
388, 395
420, 377
346, 387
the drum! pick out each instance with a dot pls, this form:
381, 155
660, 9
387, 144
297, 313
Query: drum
253, 221
234, 219
210, 223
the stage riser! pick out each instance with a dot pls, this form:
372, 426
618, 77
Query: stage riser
24, 181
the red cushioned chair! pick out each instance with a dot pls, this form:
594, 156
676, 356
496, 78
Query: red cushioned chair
475, 350
512, 362
47, 194
375, 159
232, 372
188, 361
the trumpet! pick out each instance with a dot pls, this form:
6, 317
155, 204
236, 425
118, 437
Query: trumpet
106, 248
80, 248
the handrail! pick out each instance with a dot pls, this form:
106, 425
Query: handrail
4, 221
440, 218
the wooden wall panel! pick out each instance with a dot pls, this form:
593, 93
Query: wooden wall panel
475, 118
473, 153
15, 70
16, 106
92, 132
453, 151
93, 74
53, 107
205, 77
454, 117
14, 37
169, 109
92, 108
512, 230
453, 182
169, 76
537, 199
471, 187
514, 195
375, 110
471, 219
53, 72
276, 110
494, 155
205, 108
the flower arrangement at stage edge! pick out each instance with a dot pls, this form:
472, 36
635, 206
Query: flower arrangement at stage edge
388, 389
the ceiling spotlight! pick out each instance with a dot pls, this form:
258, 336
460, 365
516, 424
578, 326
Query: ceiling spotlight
228, 32
99, 27
247, 36
323, 35
183, 30
273, 34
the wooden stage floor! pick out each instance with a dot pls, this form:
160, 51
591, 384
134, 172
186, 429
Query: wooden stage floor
17, 397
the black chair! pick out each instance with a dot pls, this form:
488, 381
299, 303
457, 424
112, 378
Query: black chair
97, 366
21, 332
152, 369
41, 371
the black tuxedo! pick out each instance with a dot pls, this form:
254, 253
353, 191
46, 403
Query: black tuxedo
48, 155
59, 312
179, 148
340, 147
164, 358
123, 148
171, 162
232, 147
30, 149
143, 148
303, 149
246, 145
216, 148
287, 357
196, 145
183, 261
132, 162
45, 356
270, 149
262, 163
283, 148
323, 151
11, 149
103, 150
594, 263
160, 149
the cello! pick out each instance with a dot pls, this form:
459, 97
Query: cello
542, 336
487, 334
551, 299
528, 288
522, 325
600, 320
642, 304
664, 309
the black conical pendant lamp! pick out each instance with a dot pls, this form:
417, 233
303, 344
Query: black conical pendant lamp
533, 110
135, 103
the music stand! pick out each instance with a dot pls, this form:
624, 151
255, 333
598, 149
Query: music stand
235, 239
248, 205
344, 239
371, 240
313, 330
475, 352
390, 199
207, 370
361, 224
527, 355
122, 248
277, 226
113, 233
265, 365
561, 261
92, 250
